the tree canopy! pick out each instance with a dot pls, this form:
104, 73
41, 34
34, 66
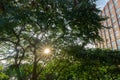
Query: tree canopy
70, 19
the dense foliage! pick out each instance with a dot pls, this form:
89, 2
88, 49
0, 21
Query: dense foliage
3, 76
91, 64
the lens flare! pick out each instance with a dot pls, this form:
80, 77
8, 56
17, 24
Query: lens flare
47, 51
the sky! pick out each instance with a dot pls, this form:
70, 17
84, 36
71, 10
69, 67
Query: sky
101, 3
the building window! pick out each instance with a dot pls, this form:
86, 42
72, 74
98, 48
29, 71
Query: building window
119, 22
106, 11
110, 6
107, 37
111, 36
113, 44
115, 3
116, 33
105, 24
118, 47
118, 10
110, 30
112, 16
113, 20
115, 26
109, 46
118, 15
118, 41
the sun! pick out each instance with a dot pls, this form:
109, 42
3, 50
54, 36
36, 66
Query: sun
46, 50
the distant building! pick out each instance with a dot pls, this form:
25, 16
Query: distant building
111, 36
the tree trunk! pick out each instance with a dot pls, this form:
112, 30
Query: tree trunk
34, 73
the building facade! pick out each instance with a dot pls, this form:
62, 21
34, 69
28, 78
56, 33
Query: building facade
111, 36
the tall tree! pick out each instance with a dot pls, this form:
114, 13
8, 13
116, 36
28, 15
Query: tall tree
29, 25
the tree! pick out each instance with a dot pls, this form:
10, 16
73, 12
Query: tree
30, 25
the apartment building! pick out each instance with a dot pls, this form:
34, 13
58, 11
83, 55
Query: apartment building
111, 36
